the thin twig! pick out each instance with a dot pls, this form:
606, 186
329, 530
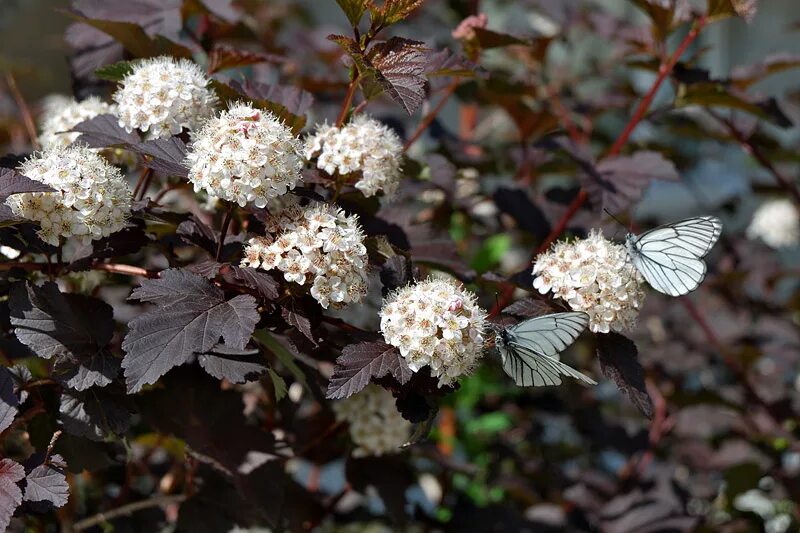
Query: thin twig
142, 178
428, 119
147, 178
127, 509
128, 270
27, 117
224, 231
348, 99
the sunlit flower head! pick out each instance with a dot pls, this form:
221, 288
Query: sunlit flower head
777, 223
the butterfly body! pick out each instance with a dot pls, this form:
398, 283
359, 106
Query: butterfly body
529, 349
670, 257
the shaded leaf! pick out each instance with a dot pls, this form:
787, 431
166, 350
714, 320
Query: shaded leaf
166, 156
396, 272
191, 317
237, 366
278, 384
92, 49
288, 103
439, 249
11, 473
224, 57
9, 401
390, 476
401, 64
99, 369
720, 9
619, 182
127, 241
445, 62
278, 346
527, 215
359, 363
528, 308
492, 39
94, 414
744, 76
47, 483
298, 321
266, 286
54, 324
618, 361
720, 95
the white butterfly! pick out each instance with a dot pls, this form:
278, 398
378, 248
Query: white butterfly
529, 349
670, 257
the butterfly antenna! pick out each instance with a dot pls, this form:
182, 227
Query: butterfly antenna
615, 218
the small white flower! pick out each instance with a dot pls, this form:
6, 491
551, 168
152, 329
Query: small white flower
593, 275
363, 146
91, 198
376, 427
245, 155
163, 95
337, 275
435, 323
777, 223
62, 114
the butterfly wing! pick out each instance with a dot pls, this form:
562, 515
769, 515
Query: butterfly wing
670, 257
531, 347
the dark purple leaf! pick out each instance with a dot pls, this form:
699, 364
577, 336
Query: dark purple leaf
618, 361
618, 182
94, 414
390, 476
294, 99
361, 362
167, 156
191, 317
154, 16
124, 242
400, 66
527, 215
493, 39
224, 9
224, 57
11, 473
92, 49
745, 76
47, 483
54, 324
98, 369
297, 320
12, 182
207, 269
396, 272
443, 174
266, 286
103, 131
9, 401
439, 249
528, 308
237, 366
445, 62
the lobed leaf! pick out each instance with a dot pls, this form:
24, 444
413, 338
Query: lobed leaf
401, 64
191, 316
9, 401
392, 11
618, 361
11, 473
54, 324
618, 182
94, 414
47, 483
359, 363
167, 156
354, 9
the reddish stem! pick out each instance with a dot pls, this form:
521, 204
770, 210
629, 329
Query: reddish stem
27, 118
348, 100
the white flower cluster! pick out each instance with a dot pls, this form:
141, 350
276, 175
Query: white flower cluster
317, 245
365, 146
92, 199
777, 223
436, 323
63, 114
593, 275
163, 95
375, 425
245, 155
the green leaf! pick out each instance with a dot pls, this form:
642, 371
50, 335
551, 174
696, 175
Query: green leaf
278, 384
353, 9
115, 71
392, 11
491, 252
287, 359
489, 424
